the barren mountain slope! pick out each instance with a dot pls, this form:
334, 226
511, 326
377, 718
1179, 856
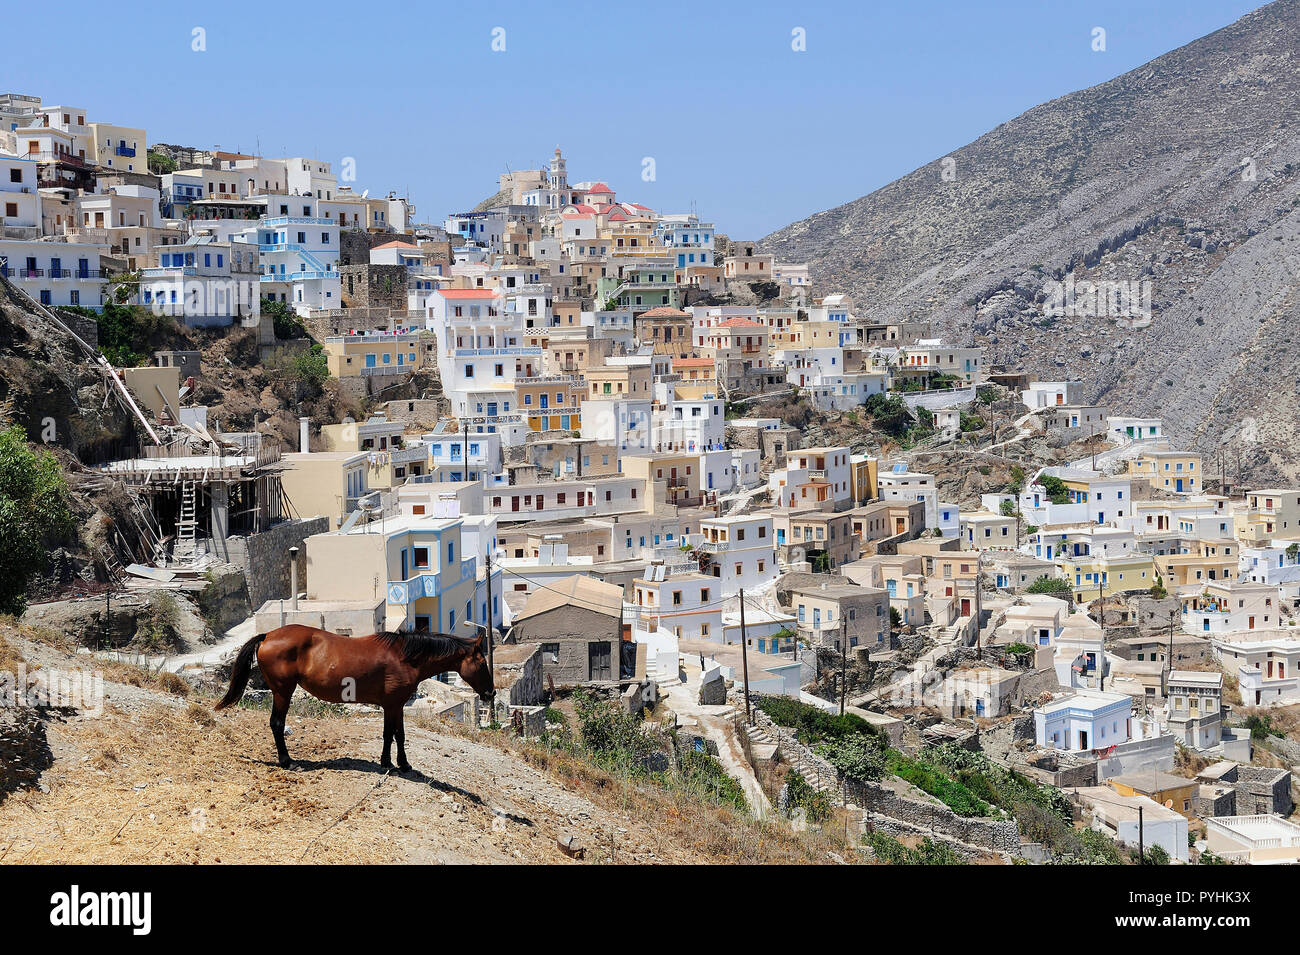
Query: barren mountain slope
1184, 173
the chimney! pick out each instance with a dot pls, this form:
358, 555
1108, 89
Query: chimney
293, 575
304, 442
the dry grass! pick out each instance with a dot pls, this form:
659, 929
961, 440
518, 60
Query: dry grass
717, 833
1188, 762
182, 785
165, 787
10, 658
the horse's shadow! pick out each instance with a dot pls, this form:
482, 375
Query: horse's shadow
414, 775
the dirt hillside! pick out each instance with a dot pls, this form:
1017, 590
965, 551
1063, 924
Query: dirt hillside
160, 778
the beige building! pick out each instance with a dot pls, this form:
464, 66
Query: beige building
327, 483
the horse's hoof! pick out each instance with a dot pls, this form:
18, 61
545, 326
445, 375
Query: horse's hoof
286, 764
404, 768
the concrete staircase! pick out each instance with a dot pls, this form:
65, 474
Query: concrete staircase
759, 737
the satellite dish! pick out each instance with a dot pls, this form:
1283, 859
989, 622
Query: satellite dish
365, 194
1169, 804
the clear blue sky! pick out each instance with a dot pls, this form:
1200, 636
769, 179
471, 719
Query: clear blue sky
756, 134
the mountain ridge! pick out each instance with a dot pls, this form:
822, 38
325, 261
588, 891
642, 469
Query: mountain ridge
1183, 173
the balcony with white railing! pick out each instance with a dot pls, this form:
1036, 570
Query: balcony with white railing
520, 352
547, 380
275, 221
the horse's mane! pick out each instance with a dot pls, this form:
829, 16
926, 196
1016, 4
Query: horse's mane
416, 648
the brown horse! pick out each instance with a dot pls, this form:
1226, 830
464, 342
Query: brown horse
383, 669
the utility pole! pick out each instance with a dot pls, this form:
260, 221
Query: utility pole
491, 637
1101, 663
744, 657
844, 663
464, 448
1169, 655
1142, 854
979, 605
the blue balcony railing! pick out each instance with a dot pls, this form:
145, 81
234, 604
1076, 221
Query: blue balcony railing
124, 151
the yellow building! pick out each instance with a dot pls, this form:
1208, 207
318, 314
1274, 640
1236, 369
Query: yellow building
863, 471
374, 354
620, 381
1269, 513
551, 402
1209, 560
1177, 471
390, 460
1174, 792
1089, 574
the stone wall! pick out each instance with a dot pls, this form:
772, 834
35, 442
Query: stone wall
1262, 789
265, 557
340, 321
417, 412
355, 245
373, 286
996, 835
774, 444
882, 803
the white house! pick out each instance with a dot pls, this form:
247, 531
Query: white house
1086, 720
55, 273
20, 198
299, 255
743, 550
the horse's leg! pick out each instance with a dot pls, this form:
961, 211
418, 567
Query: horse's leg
400, 731
386, 760
279, 709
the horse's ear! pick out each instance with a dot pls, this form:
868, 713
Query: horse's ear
478, 643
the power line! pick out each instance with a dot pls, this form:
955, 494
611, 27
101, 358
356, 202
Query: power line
575, 600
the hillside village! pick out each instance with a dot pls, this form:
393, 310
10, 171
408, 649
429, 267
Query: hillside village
866, 568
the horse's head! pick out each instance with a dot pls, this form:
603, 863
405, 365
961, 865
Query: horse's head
475, 670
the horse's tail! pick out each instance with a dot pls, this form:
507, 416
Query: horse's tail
239, 672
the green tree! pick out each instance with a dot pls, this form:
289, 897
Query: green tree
123, 333
284, 319
310, 367
1049, 585
160, 163
34, 514
1056, 490
891, 415
857, 755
